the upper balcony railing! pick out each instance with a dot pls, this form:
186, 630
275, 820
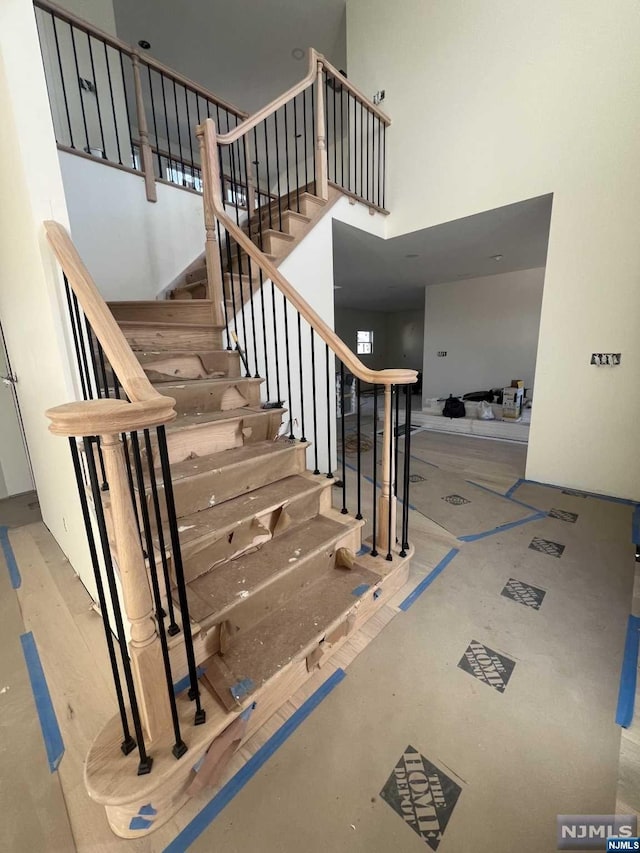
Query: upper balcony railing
116, 103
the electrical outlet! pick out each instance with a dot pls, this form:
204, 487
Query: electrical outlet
378, 98
442, 353
606, 359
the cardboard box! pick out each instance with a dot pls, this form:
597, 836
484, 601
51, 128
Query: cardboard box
512, 399
517, 383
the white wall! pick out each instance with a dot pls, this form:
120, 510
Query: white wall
15, 475
489, 329
133, 248
31, 300
495, 102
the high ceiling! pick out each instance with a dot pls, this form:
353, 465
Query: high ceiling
377, 274
239, 49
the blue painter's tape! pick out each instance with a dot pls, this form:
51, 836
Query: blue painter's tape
248, 712
147, 810
425, 582
506, 496
514, 488
610, 498
9, 556
628, 674
48, 722
140, 823
241, 688
202, 820
363, 550
473, 537
360, 589
635, 526
185, 682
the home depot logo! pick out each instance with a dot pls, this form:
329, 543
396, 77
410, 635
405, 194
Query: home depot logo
422, 795
486, 665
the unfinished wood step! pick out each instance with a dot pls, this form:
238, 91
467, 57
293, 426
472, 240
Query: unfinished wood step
238, 526
163, 366
188, 337
210, 480
303, 202
273, 242
243, 263
197, 274
212, 432
210, 395
289, 632
245, 590
196, 290
291, 222
164, 311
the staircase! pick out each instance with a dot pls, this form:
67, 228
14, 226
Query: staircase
270, 566
276, 228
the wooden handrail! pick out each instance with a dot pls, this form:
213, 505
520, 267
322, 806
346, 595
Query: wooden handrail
147, 406
207, 133
145, 59
315, 60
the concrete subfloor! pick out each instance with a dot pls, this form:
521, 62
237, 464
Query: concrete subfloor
501, 738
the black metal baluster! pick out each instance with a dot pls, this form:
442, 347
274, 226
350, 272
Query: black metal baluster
275, 121
190, 133
361, 149
146, 761
295, 136
126, 105
264, 336
226, 278
315, 407
266, 148
166, 124
374, 171
397, 444
286, 157
391, 479
155, 126
75, 59
62, 82
92, 356
250, 272
275, 340
103, 370
194, 693
341, 135
128, 743
132, 490
303, 436
83, 347
181, 155
367, 149
76, 342
232, 287
306, 165
407, 461
380, 125
374, 514
313, 138
359, 447
113, 105
335, 146
384, 161
179, 747
329, 466
256, 163
344, 509
288, 363
97, 94
173, 628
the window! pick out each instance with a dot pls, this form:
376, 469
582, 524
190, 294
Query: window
364, 343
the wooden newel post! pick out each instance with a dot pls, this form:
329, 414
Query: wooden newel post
211, 190
322, 186
144, 647
387, 500
146, 154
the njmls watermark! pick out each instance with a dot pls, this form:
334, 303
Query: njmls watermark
595, 831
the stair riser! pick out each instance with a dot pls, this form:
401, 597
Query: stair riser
199, 291
291, 225
213, 487
272, 244
164, 311
158, 340
247, 612
223, 396
216, 548
192, 366
196, 275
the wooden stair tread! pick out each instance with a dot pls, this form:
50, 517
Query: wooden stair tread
273, 232
233, 456
231, 584
289, 632
258, 502
144, 303
195, 420
148, 355
167, 324
211, 380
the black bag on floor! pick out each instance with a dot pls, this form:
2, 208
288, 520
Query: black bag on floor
454, 408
